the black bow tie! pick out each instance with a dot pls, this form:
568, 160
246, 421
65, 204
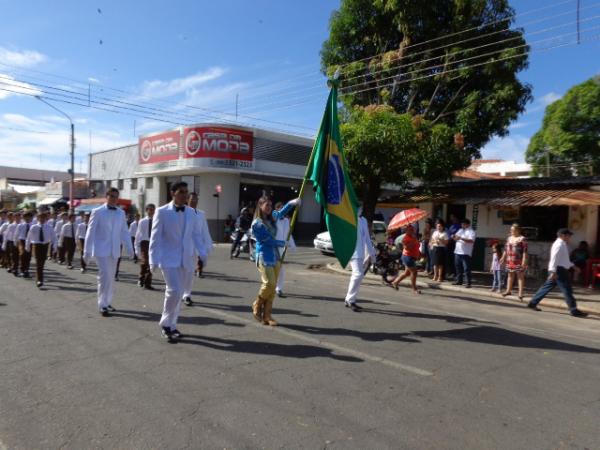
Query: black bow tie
179, 208
112, 207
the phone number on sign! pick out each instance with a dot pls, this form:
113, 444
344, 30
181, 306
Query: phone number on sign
232, 163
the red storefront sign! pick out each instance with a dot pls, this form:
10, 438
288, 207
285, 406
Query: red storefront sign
159, 147
219, 143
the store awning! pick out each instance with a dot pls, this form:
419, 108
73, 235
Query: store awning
51, 200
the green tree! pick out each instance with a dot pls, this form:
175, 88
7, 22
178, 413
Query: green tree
452, 84
569, 139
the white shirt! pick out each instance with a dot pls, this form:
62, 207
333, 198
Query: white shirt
51, 222
283, 228
142, 233
559, 256
81, 229
67, 230
133, 228
33, 237
462, 247
364, 246
437, 237
78, 220
106, 232
21, 231
58, 226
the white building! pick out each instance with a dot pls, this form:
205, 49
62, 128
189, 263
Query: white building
510, 169
240, 162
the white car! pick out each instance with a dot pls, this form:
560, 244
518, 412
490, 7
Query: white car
323, 240
323, 243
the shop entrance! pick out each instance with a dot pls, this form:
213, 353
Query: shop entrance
250, 193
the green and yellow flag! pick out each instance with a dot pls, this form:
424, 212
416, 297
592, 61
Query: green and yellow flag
328, 172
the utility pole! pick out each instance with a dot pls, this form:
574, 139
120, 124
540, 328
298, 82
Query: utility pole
72, 169
547, 161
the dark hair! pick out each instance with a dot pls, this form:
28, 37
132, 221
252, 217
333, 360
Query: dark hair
71, 216
150, 205
496, 247
440, 222
179, 185
193, 194
467, 221
111, 190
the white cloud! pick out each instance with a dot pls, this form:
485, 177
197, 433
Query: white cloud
93, 80
549, 98
9, 86
510, 148
26, 58
165, 89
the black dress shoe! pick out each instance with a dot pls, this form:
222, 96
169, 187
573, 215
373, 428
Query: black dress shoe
280, 294
167, 334
140, 284
468, 286
188, 301
176, 334
353, 306
39, 284
150, 288
111, 309
70, 267
533, 307
578, 313
104, 312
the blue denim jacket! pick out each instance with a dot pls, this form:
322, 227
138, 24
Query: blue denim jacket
267, 247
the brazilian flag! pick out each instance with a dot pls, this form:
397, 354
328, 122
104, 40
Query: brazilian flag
328, 172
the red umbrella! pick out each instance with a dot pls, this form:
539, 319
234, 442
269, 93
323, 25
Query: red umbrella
406, 217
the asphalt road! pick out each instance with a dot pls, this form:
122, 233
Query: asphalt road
434, 371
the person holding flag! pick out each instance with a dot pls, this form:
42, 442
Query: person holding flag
363, 253
268, 259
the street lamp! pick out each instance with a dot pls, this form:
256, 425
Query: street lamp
72, 170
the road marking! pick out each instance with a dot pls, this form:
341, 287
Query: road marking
322, 343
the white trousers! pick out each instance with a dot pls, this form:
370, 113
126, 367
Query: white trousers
281, 279
175, 278
355, 280
188, 283
107, 267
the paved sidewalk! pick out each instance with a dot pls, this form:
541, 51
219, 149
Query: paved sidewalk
588, 300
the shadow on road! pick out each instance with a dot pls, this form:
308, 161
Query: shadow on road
148, 316
508, 338
445, 318
375, 336
263, 348
247, 309
229, 278
324, 298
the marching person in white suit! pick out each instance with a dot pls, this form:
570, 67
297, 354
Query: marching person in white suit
175, 242
106, 232
208, 246
364, 250
283, 229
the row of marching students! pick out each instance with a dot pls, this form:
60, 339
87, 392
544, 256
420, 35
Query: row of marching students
25, 235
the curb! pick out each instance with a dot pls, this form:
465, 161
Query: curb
547, 302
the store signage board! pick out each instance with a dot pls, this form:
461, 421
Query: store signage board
224, 147
159, 147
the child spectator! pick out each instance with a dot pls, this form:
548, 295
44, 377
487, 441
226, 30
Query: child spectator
496, 268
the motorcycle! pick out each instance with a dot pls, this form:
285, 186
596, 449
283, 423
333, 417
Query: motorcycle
246, 243
388, 263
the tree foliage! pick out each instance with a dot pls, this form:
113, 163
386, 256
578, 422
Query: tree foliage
413, 56
570, 135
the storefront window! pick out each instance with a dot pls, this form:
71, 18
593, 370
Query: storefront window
134, 183
149, 183
547, 220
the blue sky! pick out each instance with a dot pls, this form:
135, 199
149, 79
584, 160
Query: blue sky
189, 59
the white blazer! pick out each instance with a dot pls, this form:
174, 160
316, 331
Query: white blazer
364, 245
106, 232
175, 242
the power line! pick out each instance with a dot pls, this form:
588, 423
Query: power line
23, 130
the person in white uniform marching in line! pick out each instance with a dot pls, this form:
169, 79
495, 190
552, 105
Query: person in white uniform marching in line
81, 230
201, 258
364, 250
175, 242
142, 244
132, 232
283, 229
106, 232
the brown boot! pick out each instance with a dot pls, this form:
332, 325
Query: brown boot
257, 308
267, 319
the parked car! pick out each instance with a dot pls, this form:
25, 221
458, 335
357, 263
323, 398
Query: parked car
322, 241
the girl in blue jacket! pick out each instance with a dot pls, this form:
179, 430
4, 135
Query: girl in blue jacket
267, 253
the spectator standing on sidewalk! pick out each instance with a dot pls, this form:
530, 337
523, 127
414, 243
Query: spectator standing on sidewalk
464, 242
425, 240
439, 244
453, 228
497, 268
515, 258
558, 274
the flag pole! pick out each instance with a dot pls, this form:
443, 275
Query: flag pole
305, 179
